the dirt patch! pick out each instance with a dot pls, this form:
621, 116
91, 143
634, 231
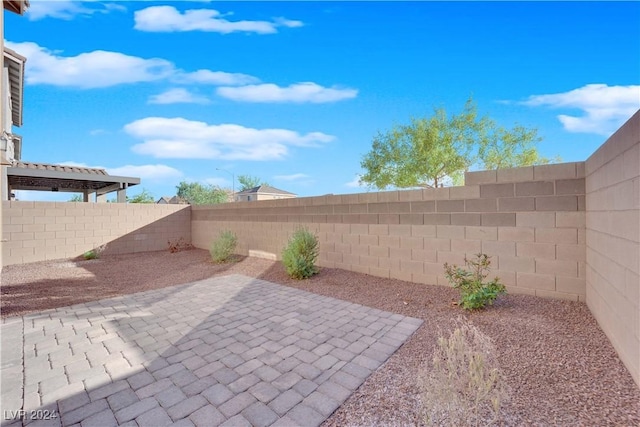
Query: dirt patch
559, 365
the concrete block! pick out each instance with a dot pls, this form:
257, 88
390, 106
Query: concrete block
498, 219
393, 218
464, 192
556, 295
570, 186
403, 230
425, 255
557, 235
536, 219
570, 252
462, 245
498, 248
571, 219
516, 264
450, 232
481, 233
435, 193
516, 204
536, 188
423, 230
536, 250
555, 171
423, 206
557, 203
557, 267
437, 219
536, 281
571, 285
481, 205
480, 177
497, 190
409, 195
473, 219
515, 174
450, 205
516, 234
412, 218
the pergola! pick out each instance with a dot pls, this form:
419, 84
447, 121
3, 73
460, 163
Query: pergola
70, 179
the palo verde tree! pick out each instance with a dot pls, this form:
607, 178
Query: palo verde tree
143, 197
248, 181
199, 194
428, 150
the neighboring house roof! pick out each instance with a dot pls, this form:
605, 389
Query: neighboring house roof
15, 64
175, 200
49, 177
16, 6
263, 189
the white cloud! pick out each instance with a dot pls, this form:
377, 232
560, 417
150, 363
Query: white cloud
95, 132
216, 78
178, 96
604, 108
354, 183
298, 92
146, 172
293, 177
182, 138
169, 19
67, 9
88, 70
150, 172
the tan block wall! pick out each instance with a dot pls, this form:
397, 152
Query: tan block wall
613, 241
37, 231
533, 227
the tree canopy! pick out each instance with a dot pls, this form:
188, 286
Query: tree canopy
143, 197
248, 181
199, 194
428, 150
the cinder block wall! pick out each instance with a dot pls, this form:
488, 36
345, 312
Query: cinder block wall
37, 231
613, 241
530, 220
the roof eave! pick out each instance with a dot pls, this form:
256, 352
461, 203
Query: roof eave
16, 6
15, 65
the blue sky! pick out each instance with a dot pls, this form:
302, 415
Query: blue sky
294, 92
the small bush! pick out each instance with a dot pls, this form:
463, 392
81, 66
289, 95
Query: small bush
222, 248
474, 292
94, 253
462, 386
179, 245
299, 257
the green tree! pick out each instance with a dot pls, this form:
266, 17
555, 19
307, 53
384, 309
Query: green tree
76, 198
199, 194
143, 197
428, 150
248, 181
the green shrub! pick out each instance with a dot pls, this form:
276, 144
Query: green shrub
463, 385
222, 248
299, 257
92, 254
474, 292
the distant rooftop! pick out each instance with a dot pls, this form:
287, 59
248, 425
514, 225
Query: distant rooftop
264, 189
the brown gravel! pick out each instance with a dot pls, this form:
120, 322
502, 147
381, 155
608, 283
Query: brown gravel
559, 365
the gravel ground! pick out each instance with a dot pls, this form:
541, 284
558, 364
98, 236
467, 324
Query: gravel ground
559, 366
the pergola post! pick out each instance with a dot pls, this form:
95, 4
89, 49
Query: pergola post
122, 193
85, 196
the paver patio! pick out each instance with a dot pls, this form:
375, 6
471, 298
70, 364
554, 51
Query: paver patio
229, 350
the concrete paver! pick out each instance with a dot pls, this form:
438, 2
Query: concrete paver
230, 350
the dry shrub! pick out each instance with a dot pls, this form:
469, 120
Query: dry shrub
463, 384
